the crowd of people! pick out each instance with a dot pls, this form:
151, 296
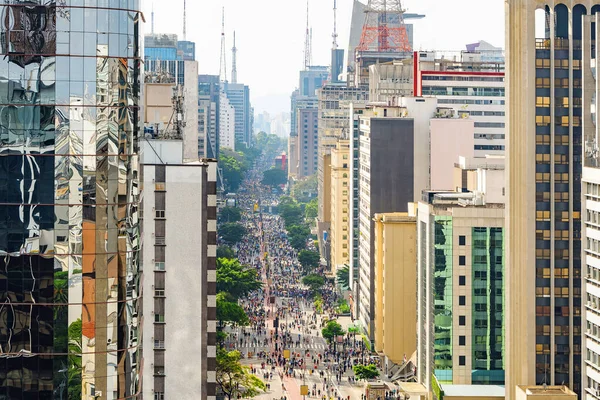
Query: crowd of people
283, 339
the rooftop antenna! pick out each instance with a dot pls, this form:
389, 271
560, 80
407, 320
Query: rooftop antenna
223, 66
307, 44
184, 21
234, 61
152, 18
335, 35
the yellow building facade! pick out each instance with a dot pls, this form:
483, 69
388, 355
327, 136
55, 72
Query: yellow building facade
395, 286
340, 208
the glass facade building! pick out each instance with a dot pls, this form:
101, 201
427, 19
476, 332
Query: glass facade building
460, 301
69, 226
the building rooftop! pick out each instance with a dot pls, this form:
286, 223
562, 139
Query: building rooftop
562, 391
474, 391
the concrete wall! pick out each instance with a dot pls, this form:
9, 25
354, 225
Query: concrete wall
158, 107
450, 138
190, 93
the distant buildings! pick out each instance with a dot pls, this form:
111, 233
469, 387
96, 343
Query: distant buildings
227, 117
340, 207
209, 89
238, 95
307, 145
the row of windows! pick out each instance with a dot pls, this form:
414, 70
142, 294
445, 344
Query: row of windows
558, 63
469, 101
464, 78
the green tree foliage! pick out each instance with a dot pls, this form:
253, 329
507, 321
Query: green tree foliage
343, 277
229, 312
311, 210
234, 166
274, 177
298, 242
234, 379
232, 232
313, 281
309, 259
366, 372
230, 214
75, 366
272, 145
305, 190
332, 330
291, 212
225, 252
235, 279
221, 336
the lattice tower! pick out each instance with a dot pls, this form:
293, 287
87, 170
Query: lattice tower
384, 29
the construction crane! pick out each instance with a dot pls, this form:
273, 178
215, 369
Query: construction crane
384, 29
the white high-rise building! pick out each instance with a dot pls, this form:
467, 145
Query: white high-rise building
226, 122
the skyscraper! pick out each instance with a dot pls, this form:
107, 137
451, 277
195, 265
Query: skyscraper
544, 151
69, 237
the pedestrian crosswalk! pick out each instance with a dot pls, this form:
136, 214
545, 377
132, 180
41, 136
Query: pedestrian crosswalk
302, 347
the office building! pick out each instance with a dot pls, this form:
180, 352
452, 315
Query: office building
209, 89
460, 290
395, 290
591, 224
226, 122
484, 175
238, 95
334, 102
489, 52
304, 98
186, 50
179, 206
473, 88
393, 170
340, 179
544, 392
544, 151
307, 142
69, 202
161, 46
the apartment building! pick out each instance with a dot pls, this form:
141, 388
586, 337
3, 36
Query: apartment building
340, 207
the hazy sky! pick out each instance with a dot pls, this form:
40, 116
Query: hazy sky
270, 35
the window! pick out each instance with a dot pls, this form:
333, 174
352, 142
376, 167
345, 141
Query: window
159, 292
160, 213
159, 344
462, 360
462, 240
159, 186
159, 266
462, 300
462, 260
462, 320
159, 396
159, 318
462, 280
462, 340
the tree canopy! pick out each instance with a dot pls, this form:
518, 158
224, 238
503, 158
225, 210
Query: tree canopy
366, 372
304, 190
309, 259
230, 214
235, 279
229, 312
274, 177
234, 379
225, 252
232, 232
311, 210
313, 281
332, 330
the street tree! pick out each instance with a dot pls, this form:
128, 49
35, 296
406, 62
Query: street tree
229, 312
366, 372
311, 210
230, 214
313, 281
309, 259
343, 277
274, 177
234, 379
331, 331
225, 252
235, 279
232, 232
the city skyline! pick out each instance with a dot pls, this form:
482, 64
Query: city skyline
271, 87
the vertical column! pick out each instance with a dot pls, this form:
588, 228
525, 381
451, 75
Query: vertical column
520, 210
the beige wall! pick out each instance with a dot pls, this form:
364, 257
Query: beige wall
450, 138
293, 156
158, 105
395, 285
340, 204
326, 188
